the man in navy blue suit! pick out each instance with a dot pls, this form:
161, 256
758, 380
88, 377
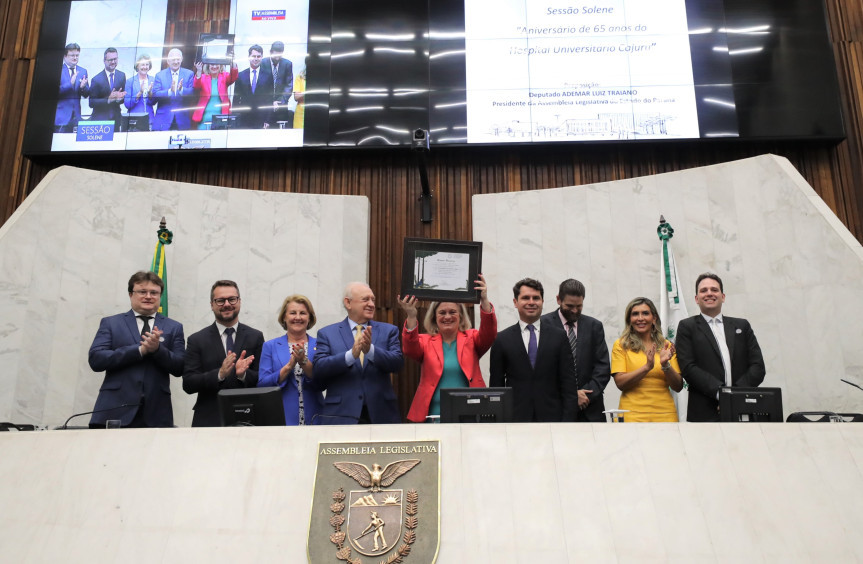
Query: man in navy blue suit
173, 92
73, 86
137, 350
253, 92
107, 90
353, 361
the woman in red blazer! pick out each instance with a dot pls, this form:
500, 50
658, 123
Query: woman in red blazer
451, 350
210, 103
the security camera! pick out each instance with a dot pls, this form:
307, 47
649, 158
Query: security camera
420, 140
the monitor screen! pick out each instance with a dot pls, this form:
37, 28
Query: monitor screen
476, 405
340, 73
252, 407
750, 405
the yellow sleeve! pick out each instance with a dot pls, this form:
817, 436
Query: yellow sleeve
673, 363
618, 358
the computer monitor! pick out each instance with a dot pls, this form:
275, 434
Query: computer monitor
138, 122
252, 407
750, 405
476, 405
224, 121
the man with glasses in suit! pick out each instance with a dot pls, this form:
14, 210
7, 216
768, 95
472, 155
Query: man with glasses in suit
222, 356
137, 350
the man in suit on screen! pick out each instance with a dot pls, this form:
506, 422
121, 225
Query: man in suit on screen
137, 350
353, 362
108, 90
221, 356
74, 85
715, 351
586, 338
533, 357
173, 91
253, 92
281, 73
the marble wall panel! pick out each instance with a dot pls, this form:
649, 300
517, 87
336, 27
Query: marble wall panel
68, 252
509, 493
787, 263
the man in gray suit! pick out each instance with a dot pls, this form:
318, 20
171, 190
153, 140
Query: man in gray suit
590, 353
715, 351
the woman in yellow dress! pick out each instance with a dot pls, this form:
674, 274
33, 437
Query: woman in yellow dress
644, 366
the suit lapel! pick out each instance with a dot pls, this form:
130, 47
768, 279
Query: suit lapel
132, 326
347, 335
730, 327
708, 333
283, 351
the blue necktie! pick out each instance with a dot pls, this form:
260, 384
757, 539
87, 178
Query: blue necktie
254, 79
111, 80
229, 339
531, 345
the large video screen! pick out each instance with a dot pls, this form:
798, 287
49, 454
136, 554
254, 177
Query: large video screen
144, 75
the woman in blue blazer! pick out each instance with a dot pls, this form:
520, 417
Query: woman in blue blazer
139, 88
287, 362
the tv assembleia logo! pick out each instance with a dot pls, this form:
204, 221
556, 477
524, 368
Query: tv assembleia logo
258, 15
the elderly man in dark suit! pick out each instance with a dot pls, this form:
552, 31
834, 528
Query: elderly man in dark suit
533, 357
221, 356
715, 351
586, 338
137, 350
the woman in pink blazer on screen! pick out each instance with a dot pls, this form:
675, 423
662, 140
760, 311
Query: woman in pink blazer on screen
211, 103
449, 352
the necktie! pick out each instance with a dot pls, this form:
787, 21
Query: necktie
111, 81
146, 327
531, 345
229, 339
275, 76
719, 335
254, 79
573, 341
359, 333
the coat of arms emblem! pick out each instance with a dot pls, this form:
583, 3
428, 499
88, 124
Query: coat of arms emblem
370, 517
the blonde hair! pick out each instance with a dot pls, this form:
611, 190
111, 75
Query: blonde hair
299, 299
430, 319
629, 339
143, 59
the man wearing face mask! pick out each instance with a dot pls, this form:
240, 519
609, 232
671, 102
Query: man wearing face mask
221, 356
590, 353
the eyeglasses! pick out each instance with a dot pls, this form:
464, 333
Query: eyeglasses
143, 293
221, 301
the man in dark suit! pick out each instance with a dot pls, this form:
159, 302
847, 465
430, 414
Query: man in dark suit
586, 338
253, 93
173, 91
73, 86
212, 362
107, 91
534, 359
137, 350
281, 73
715, 351
353, 362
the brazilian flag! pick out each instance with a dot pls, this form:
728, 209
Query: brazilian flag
159, 266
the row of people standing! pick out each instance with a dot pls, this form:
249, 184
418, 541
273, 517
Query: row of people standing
177, 98
557, 364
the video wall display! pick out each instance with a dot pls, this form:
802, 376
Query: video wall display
144, 75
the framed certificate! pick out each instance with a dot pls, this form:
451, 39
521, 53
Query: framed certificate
441, 270
216, 49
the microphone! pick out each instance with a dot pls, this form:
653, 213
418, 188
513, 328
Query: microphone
355, 419
851, 383
97, 411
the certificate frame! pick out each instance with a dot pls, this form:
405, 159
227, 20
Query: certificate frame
413, 280
215, 48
